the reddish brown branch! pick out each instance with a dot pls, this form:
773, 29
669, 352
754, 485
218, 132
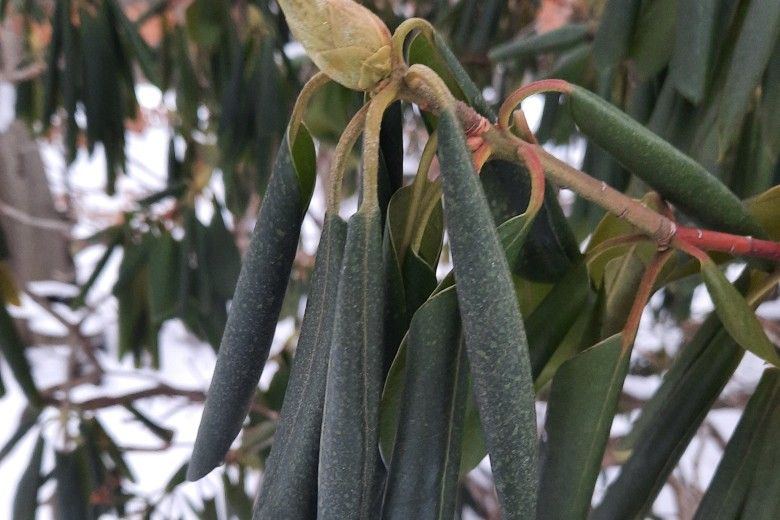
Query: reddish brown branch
155, 391
422, 90
643, 293
726, 243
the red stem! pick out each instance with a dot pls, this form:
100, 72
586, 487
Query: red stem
536, 170
726, 243
643, 293
537, 87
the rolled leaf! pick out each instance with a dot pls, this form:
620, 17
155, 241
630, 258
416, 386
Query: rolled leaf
653, 38
614, 33
289, 488
693, 37
551, 41
423, 472
256, 304
72, 485
754, 46
492, 325
677, 177
472, 93
349, 463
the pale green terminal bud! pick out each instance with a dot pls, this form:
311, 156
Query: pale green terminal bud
345, 40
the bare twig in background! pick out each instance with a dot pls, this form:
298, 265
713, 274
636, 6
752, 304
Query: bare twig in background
31, 220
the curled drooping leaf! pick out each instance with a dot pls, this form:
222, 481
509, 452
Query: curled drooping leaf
349, 463
290, 482
345, 40
256, 304
492, 327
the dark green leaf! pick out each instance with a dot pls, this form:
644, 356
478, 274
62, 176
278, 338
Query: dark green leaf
134, 259
472, 445
239, 504
206, 22
769, 109
615, 30
110, 448
132, 36
164, 434
164, 277
653, 37
209, 511
423, 471
472, 94
550, 248
551, 41
409, 279
137, 332
756, 41
694, 33
52, 78
573, 66
673, 174
422, 51
763, 497
670, 419
737, 317
493, 328
256, 304
13, 348
289, 487
552, 319
739, 481
26, 498
582, 404
109, 95
391, 146
350, 467
177, 478
72, 485
222, 259
27, 420
101, 264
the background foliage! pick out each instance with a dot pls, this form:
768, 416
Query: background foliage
703, 75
